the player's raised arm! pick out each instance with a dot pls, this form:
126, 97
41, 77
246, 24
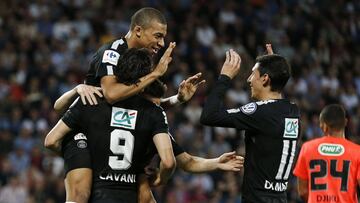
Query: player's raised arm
212, 113
269, 49
114, 91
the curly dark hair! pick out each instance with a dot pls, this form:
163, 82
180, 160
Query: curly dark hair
132, 65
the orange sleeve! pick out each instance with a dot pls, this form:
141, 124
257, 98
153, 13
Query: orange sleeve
300, 169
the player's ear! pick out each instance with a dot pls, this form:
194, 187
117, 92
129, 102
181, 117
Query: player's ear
137, 31
265, 80
323, 127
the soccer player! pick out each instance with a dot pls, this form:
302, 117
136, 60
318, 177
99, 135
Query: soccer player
119, 135
328, 168
271, 125
147, 30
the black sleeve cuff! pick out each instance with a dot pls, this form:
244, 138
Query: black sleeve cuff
224, 78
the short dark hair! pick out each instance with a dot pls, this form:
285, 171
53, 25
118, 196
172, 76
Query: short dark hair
334, 116
156, 89
277, 68
132, 65
145, 16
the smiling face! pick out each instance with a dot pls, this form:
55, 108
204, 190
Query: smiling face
151, 37
256, 82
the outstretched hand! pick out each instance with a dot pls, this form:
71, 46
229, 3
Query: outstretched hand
188, 87
231, 65
87, 93
231, 162
162, 67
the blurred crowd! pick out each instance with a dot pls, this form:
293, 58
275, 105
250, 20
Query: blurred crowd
46, 45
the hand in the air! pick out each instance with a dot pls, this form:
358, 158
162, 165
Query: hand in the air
269, 49
231, 162
162, 67
231, 65
87, 93
188, 87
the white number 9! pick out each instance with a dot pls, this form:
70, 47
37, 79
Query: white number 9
125, 149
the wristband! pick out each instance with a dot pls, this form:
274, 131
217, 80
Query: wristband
174, 100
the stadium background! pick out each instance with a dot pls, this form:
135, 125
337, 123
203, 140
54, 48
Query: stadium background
45, 47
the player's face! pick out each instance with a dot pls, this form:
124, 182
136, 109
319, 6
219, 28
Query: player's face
255, 82
152, 38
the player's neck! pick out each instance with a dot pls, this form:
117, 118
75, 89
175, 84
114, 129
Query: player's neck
337, 134
131, 42
270, 95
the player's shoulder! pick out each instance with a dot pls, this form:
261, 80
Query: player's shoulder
352, 145
253, 107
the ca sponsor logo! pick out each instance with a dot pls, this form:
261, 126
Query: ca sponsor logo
125, 118
291, 129
329, 149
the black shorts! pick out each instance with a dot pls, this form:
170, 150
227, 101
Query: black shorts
75, 151
265, 199
113, 196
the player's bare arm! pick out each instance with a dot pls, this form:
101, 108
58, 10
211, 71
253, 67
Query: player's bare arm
168, 162
55, 136
114, 91
86, 93
227, 162
303, 189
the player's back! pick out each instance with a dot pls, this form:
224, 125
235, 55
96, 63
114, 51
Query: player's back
118, 138
332, 167
270, 148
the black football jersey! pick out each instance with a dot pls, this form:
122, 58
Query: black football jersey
118, 137
271, 136
105, 60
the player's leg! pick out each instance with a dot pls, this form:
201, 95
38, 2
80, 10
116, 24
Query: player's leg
78, 185
144, 192
78, 179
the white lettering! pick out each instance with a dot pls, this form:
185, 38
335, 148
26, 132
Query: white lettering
275, 186
119, 177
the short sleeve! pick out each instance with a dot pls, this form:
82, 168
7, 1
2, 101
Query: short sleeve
107, 63
300, 169
159, 121
72, 116
177, 149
